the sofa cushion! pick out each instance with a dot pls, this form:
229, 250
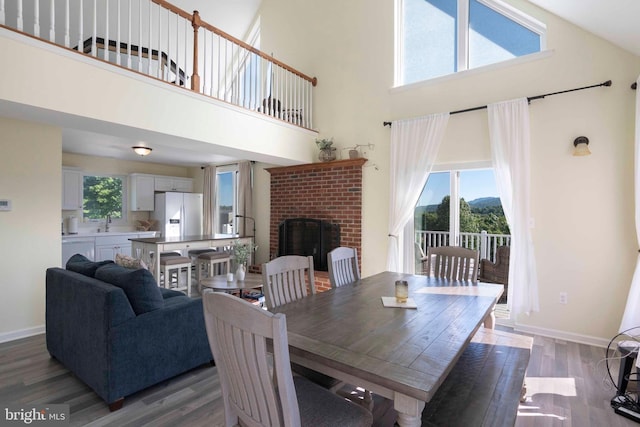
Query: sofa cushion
81, 264
139, 286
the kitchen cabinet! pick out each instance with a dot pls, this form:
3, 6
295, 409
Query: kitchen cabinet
141, 191
77, 245
170, 183
71, 189
108, 246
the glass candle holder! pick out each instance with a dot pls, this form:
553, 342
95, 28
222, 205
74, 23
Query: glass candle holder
402, 291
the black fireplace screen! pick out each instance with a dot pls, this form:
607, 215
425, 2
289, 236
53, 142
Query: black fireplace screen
307, 236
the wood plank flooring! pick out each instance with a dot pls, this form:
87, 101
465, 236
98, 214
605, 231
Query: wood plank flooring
565, 383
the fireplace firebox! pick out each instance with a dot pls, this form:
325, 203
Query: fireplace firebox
308, 237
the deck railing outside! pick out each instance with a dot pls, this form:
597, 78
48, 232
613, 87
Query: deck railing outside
160, 40
484, 242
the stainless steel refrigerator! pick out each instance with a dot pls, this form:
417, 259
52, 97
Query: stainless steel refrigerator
178, 214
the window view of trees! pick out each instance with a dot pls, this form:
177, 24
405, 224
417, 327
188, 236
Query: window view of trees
102, 197
484, 214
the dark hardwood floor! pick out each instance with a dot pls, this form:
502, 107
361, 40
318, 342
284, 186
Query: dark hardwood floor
565, 387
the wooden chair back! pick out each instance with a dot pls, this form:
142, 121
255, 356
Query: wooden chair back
253, 391
343, 266
453, 262
285, 279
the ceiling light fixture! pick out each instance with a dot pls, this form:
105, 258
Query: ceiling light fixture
581, 145
142, 151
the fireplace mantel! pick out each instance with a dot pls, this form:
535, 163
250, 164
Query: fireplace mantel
320, 165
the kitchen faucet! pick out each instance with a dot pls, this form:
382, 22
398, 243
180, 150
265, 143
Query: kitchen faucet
106, 223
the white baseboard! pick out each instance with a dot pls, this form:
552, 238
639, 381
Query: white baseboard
22, 333
563, 335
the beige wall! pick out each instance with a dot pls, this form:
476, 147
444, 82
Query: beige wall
582, 207
30, 177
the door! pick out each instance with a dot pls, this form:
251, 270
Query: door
192, 214
173, 214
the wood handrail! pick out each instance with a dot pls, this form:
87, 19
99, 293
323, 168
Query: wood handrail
197, 22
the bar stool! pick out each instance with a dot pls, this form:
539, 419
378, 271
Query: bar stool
210, 261
171, 263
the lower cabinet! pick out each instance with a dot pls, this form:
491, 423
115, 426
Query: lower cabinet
107, 247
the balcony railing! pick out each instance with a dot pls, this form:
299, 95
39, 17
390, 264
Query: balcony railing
158, 39
484, 242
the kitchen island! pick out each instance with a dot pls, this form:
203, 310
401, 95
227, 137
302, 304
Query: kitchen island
143, 247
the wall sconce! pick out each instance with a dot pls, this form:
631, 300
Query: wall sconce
141, 151
581, 146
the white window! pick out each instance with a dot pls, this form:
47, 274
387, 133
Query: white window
440, 37
226, 199
105, 196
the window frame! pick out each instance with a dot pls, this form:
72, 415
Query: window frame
123, 220
462, 30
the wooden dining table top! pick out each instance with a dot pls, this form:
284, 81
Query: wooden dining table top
392, 350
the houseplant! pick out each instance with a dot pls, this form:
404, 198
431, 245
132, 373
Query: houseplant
241, 253
327, 150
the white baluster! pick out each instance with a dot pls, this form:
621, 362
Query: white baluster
80, 28
36, 18
52, 22
94, 46
19, 18
67, 36
149, 51
219, 66
159, 73
139, 35
129, 38
118, 33
106, 32
2, 13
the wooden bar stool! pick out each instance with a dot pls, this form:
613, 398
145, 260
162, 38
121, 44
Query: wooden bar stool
177, 263
209, 261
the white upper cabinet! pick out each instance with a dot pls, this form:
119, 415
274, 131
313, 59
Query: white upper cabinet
71, 189
170, 183
141, 190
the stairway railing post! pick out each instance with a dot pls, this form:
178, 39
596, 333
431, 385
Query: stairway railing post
195, 77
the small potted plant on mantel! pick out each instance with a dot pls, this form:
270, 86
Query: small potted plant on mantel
241, 252
327, 150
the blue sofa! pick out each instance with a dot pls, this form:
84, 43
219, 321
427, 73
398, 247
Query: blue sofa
117, 331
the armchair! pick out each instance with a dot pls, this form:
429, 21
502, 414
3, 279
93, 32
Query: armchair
497, 272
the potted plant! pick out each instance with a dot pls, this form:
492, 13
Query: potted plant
327, 150
241, 253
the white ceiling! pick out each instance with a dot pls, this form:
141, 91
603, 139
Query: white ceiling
613, 20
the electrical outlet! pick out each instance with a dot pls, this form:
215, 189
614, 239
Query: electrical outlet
563, 297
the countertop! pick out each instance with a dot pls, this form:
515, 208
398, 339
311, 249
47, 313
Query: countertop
182, 239
105, 233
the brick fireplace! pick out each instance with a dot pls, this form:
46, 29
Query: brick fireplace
327, 191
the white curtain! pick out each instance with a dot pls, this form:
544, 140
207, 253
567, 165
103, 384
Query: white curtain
631, 317
414, 146
510, 141
245, 200
209, 199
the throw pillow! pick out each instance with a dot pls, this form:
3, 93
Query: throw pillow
139, 285
130, 262
81, 264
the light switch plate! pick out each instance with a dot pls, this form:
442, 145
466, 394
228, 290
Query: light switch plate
5, 205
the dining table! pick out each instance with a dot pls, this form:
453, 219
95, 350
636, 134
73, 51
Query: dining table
403, 354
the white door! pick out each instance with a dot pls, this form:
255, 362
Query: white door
173, 214
192, 214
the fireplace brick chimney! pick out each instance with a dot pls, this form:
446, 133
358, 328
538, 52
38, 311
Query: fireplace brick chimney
328, 191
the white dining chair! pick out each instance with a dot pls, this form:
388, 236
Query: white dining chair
251, 351
343, 266
287, 279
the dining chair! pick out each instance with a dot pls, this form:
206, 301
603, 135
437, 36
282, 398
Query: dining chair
285, 279
343, 266
457, 263
251, 350
453, 263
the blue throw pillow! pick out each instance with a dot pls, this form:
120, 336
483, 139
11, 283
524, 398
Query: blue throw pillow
139, 286
81, 264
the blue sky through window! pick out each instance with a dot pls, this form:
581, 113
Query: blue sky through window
474, 184
225, 188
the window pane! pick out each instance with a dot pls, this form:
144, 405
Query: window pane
102, 197
480, 207
493, 37
429, 39
432, 210
225, 209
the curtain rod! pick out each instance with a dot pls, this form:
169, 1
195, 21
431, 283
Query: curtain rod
529, 99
